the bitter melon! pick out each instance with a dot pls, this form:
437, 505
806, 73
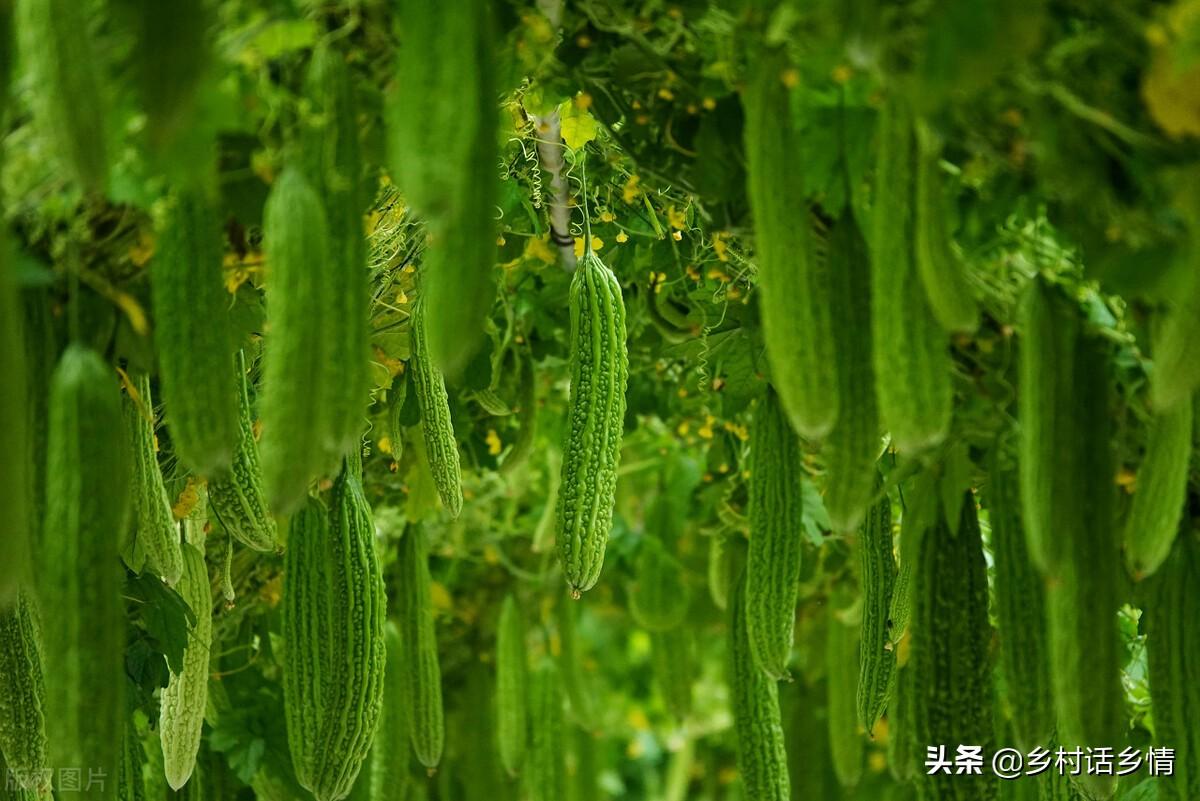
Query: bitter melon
853, 444
1177, 351
336, 172
57, 49
237, 499
131, 784
841, 673
718, 570
545, 772
901, 745
794, 282
87, 498
574, 679
22, 694
181, 716
658, 597
157, 531
910, 350
1172, 640
951, 670
674, 666
754, 701
1161, 491
302, 295
877, 656
16, 437
942, 273
776, 514
441, 449
334, 613
443, 128
192, 335
1020, 609
599, 365
512, 727
391, 751
423, 676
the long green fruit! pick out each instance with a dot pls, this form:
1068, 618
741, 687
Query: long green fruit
599, 367
659, 596
391, 751
86, 507
58, 51
1161, 494
302, 295
16, 438
441, 448
901, 744
157, 531
1173, 642
941, 271
794, 281
574, 679
423, 675
841, 663
854, 444
810, 764
545, 771
184, 699
22, 694
334, 613
951, 670
773, 567
192, 335
754, 700
512, 700
1177, 351
237, 499
337, 175
1020, 609
443, 128
877, 657
910, 350
674, 665
131, 783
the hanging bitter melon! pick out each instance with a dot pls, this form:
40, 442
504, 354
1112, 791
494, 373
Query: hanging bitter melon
184, 698
157, 531
1160, 492
22, 694
512, 727
441, 449
422, 668
877, 656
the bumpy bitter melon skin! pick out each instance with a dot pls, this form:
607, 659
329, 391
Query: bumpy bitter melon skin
57, 48
443, 149
1177, 352
336, 168
87, 497
181, 715
776, 515
512, 724
841, 661
157, 531
441, 448
910, 350
422, 670
599, 367
951, 670
334, 613
754, 699
851, 448
1173, 642
877, 657
940, 269
301, 296
237, 499
545, 771
794, 283
192, 335
391, 751
22, 693
131, 783
1020, 609
1161, 491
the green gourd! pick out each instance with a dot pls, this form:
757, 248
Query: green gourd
658, 597
1177, 351
157, 531
910, 350
181, 717
391, 752
192, 334
87, 494
237, 498
877, 656
776, 513
545, 769
423, 676
599, 368
512, 701
673, 661
1161, 491
441, 448
841, 676
131, 783
573, 678
16, 437
22, 694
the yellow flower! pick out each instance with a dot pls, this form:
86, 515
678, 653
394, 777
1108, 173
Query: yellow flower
622, 237
597, 244
494, 445
631, 190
